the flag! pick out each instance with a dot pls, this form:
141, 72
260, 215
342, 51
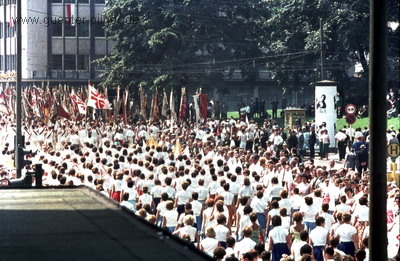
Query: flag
142, 103
62, 112
196, 106
203, 106
182, 110
155, 110
151, 142
125, 105
12, 15
172, 105
82, 108
117, 104
71, 13
97, 100
164, 108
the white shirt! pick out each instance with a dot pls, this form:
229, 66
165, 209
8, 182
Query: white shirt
318, 236
329, 220
196, 207
258, 205
171, 217
209, 245
362, 213
221, 232
278, 234
243, 246
188, 230
346, 232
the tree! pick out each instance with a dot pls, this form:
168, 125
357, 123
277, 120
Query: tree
294, 31
178, 43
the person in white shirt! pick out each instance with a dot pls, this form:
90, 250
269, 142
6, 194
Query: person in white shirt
295, 248
209, 244
246, 244
188, 228
182, 197
222, 232
318, 238
279, 239
260, 207
309, 213
348, 236
329, 219
161, 208
361, 216
125, 202
170, 218
342, 207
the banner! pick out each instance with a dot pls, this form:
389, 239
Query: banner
182, 110
172, 105
164, 108
203, 106
82, 108
196, 106
97, 100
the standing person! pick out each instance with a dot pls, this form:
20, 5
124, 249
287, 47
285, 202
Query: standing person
319, 238
274, 105
262, 109
279, 239
311, 142
170, 218
325, 144
341, 138
309, 213
350, 162
224, 110
348, 236
362, 159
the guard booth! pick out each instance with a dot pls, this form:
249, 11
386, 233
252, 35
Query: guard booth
294, 117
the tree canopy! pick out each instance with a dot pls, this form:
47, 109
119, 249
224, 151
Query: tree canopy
196, 43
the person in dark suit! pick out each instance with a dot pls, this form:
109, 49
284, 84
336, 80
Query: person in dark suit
311, 142
362, 159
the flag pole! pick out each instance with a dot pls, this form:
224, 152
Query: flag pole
18, 139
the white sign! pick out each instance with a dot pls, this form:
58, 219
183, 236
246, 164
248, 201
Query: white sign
325, 111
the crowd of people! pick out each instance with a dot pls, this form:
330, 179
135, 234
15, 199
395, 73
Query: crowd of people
235, 190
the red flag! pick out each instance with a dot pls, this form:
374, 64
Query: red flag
97, 100
203, 105
182, 111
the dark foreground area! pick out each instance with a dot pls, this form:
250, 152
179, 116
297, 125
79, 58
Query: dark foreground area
79, 224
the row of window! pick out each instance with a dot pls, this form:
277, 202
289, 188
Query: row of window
11, 62
80, 29
10, 31
74, 62
13, 2
77, 1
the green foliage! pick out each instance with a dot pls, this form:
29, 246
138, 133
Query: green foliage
183, 42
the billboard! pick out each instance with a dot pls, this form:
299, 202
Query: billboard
325, 111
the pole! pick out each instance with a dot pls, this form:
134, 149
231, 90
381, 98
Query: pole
321, 30
378, 121
18, 100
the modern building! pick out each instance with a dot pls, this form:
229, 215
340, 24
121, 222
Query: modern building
60, 40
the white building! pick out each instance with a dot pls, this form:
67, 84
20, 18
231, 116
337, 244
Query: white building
54, 47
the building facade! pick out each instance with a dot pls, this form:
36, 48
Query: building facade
60, 40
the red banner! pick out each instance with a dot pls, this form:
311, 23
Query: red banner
203, 105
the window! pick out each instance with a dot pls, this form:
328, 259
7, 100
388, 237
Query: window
69, 1
1, 30
56, 29
69, 30
83, 62
1, 63
83, 1
98, 29
100, 1
69, 62
56, 1
83, 29
57, 62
